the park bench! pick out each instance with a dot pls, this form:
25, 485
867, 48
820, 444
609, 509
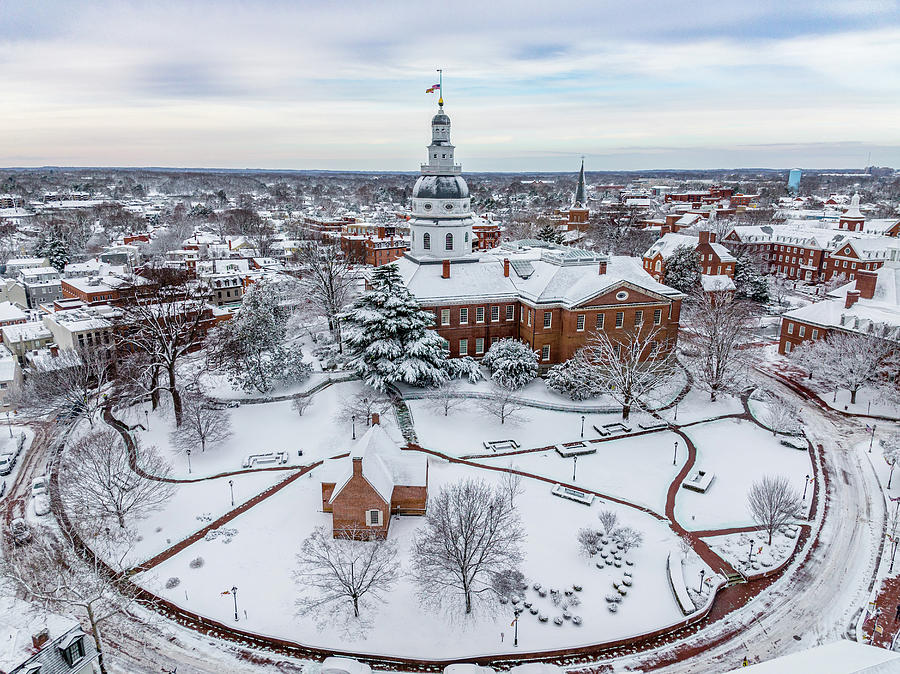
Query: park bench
617, 427
602, 431
569, 449
265, 459
572, 494
795, 443
501, 445
654, 426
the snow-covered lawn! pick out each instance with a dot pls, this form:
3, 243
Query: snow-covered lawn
260, 558
192, 506
696, 406
739, 453
735, 549
262, 428
637, 469
868, 401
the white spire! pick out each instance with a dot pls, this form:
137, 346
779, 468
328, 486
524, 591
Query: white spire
853, 211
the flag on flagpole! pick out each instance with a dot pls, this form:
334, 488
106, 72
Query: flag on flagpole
432, 88
227, 592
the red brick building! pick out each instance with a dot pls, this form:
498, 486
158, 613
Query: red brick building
377, 480
714, 258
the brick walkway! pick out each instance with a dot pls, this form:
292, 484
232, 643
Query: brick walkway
888, 600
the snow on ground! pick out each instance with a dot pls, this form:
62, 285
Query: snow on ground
868, 401
8, 445
465, 429
260, 558
735, 549
696, 406
637, 469
263, 428
739, 453
192, 506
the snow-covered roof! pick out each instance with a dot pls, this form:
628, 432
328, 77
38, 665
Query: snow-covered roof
716, 282
19, 621
26, 332
11, 312
540, 273
384, 464
840, 657
671, 241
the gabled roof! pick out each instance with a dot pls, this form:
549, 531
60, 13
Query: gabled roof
384, 464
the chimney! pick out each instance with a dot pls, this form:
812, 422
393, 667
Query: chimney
445, 273
712, 237
671, 219
704, 237
602, 267
54, 350
229, 244
865, 283
40, 639
664, 229
357, 466
852, 296
506, 266
376, 418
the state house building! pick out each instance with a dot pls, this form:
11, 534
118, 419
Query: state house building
550, 296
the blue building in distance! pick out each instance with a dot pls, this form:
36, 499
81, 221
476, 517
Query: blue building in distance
794, 180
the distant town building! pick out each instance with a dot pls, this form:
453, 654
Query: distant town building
794, 180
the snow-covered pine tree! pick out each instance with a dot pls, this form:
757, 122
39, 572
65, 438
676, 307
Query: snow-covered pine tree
748, 280
251, 347
55, 250
682, 269
549, 233
569, 379
388, 337
512, 363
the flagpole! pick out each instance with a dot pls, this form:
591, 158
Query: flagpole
440, 86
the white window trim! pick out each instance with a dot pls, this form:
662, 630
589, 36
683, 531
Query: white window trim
445, 317
464, 347
373, 522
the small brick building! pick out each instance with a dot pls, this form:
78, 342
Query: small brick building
375, 481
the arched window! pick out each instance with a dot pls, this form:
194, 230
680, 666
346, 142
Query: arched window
658, 265
466, 238
426, 241
448, 245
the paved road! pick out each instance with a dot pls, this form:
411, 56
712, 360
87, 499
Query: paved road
817, 600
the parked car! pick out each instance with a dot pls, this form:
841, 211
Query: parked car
41, 505
39, 486
2, 488
21, 534
7, 461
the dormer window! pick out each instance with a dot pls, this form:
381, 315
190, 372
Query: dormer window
73, 649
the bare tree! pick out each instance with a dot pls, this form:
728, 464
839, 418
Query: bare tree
890, 449
608, 520
508, 582
72, 384
719, 326
502, 404
470, 534
628, 538
445, 399
329, 281
511, 484
345, 570
629, 366
203, 423
852, 358
361, 405
98, 483
772, 503
166, 323
300, 404
137, 378
589, 540
781, 416
49, 574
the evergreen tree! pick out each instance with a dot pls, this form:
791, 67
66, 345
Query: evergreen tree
568, 378
55, 250
682, 269
251, 347
388, 337
512, 363
549, 233
750, 283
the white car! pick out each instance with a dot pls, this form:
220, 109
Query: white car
41, 505
7, 461
39, 486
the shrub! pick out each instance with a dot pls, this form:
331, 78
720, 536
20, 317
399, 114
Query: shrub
196, 563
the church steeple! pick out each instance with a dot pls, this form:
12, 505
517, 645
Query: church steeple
580, 198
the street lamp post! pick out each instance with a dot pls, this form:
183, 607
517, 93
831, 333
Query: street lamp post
676, 410
675, 455
872, 438
516, 626
702, 573
805, 485
750, 558
234, 594
9, 424
231, 484
147, 419
582, 424
353, 422
574, 466
188, 452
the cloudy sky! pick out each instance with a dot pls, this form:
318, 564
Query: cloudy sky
340, 84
